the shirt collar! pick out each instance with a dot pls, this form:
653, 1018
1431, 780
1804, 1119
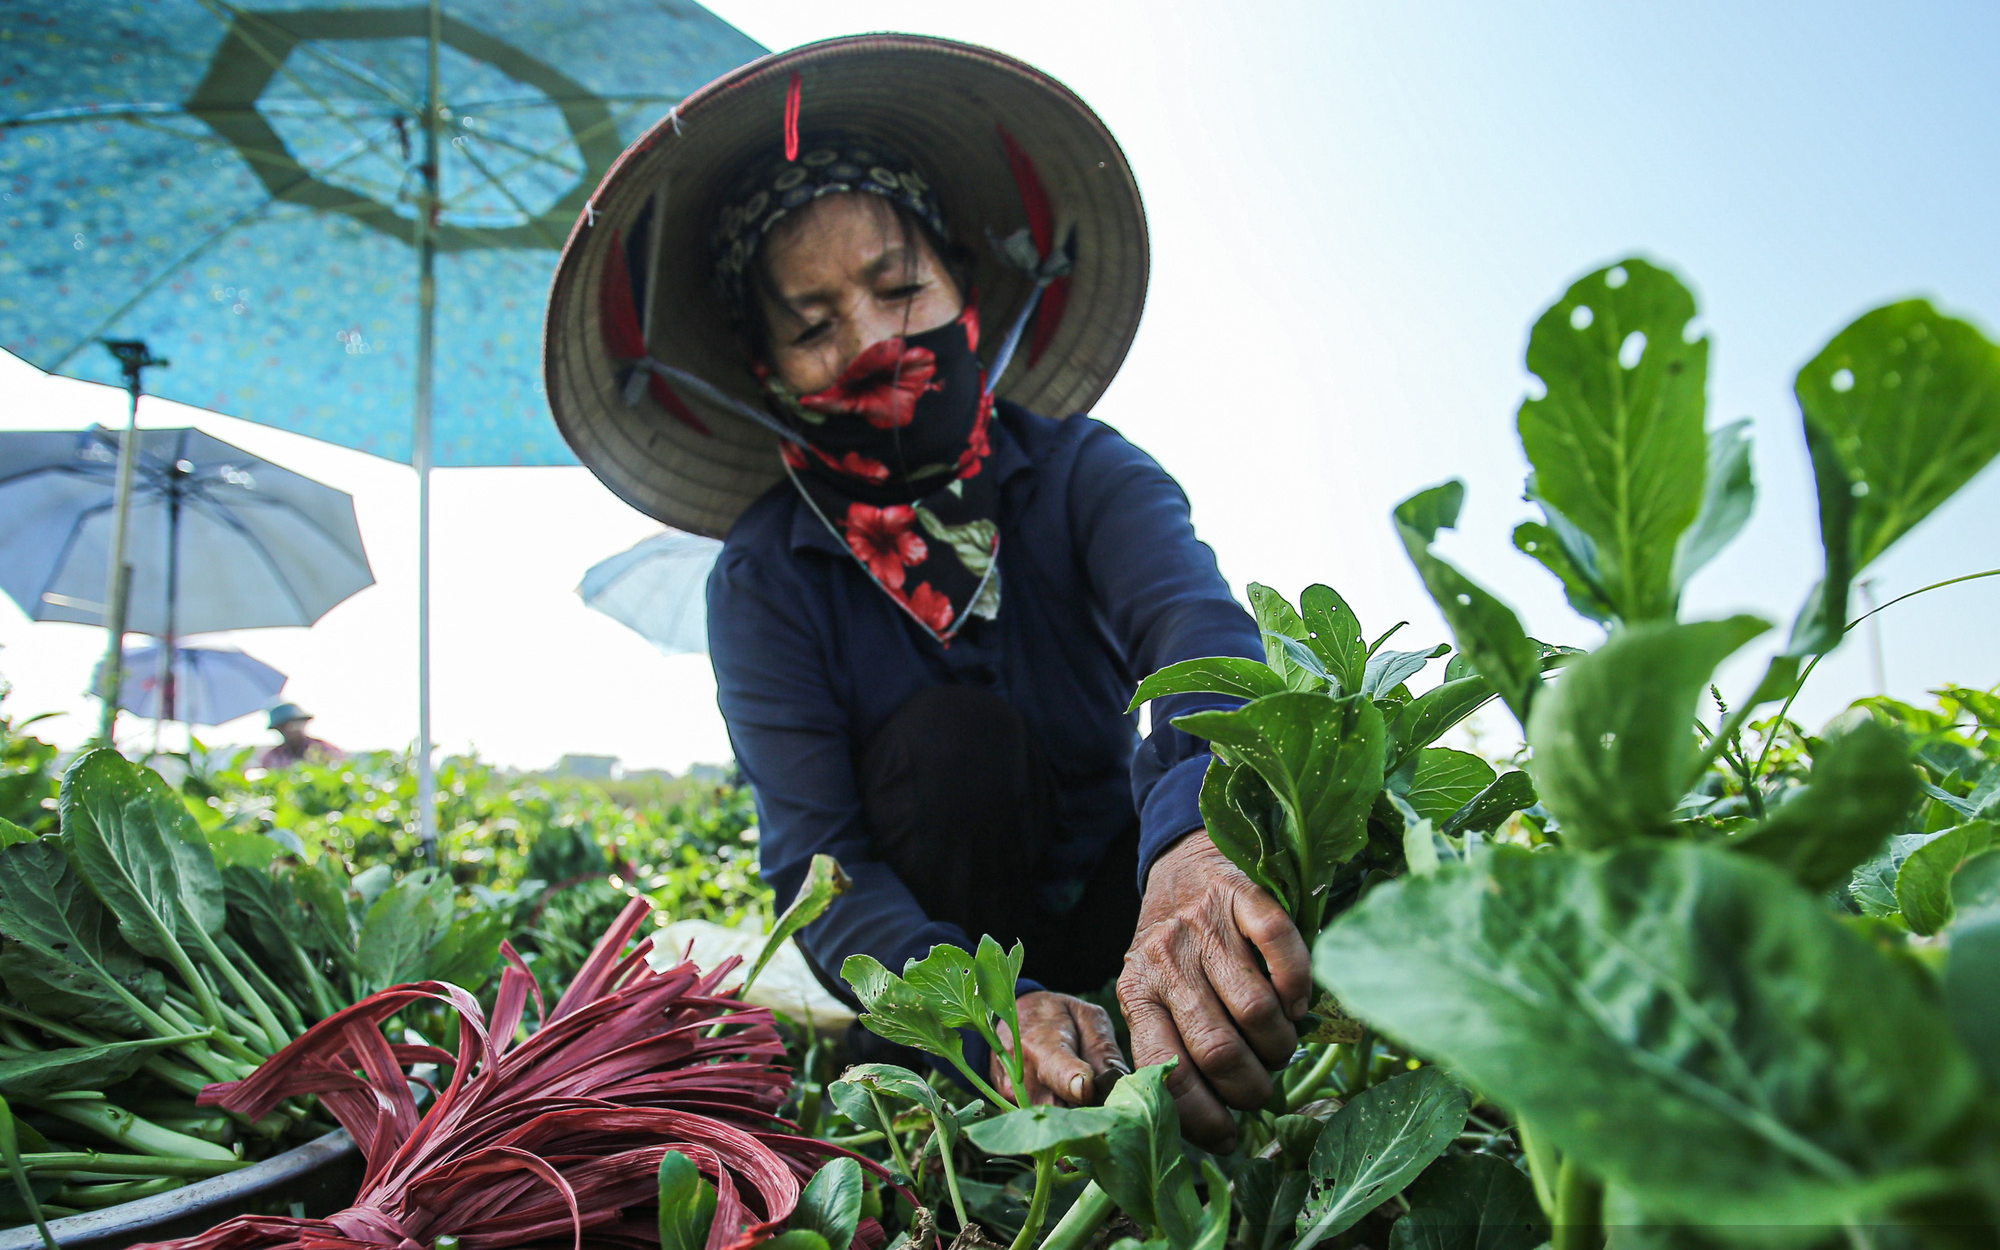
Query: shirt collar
1008, 459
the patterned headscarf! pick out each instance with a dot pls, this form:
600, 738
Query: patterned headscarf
772, 186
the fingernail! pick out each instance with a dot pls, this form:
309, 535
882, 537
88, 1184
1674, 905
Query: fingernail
1076, 1088
1301, 1007
1119, 1066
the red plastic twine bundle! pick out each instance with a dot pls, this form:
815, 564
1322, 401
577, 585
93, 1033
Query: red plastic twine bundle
551, 1140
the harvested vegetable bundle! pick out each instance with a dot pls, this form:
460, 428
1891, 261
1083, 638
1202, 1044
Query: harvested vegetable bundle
549, 1140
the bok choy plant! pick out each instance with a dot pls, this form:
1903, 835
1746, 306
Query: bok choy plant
1669, 1000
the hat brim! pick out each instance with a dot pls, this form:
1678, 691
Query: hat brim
943, 104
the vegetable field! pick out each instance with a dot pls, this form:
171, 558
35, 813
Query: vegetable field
1684, 973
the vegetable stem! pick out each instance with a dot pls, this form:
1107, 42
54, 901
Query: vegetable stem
134, 1165
1301, 1092
1092, 1207
1542, 1166
1038, 1206
115, 1192
11, 1147
126, 1129
950, 1175
1579, 1216
895, 1146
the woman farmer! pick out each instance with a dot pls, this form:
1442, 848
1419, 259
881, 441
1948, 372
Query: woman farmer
791, 316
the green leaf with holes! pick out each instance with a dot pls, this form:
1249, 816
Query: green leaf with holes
1617, 439
1901, 408
1377, 1144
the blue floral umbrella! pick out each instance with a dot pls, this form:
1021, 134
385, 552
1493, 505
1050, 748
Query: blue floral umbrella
280, 195
243, 187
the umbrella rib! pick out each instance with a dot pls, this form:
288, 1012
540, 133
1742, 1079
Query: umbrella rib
187, 257
228, 518
458, 124
236, 18
277, 64
576, 138
535, 221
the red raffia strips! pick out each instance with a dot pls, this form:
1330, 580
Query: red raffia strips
548, 1141
1042, 229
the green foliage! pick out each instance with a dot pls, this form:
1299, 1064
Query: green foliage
1315, 776
1776, 1060
1700, 986
830, 1204
1613, 748
28, 775
1616, 439
1861, 787
1471, 1202
686, 1204
1488, 633
1376, 1145
1902, 408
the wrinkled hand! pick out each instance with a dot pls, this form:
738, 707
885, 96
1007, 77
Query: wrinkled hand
1192, 988
1071, 1057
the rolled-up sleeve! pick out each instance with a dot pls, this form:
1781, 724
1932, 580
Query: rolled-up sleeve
1165, 601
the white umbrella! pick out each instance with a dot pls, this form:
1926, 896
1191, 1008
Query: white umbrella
659, 588
209, 685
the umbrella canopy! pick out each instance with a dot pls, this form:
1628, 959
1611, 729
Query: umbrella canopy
239, 185
210, 684
220, 539
659, 588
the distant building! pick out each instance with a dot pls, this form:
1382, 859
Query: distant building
713, 774
594, 767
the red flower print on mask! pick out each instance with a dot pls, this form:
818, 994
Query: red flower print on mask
931, 607
979, 446
884, 539
883, 385
970, 320
858, 466
794, 455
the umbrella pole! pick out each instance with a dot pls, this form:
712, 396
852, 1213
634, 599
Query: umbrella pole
133, 358
167, 706
420, 457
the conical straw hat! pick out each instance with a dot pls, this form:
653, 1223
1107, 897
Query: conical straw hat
953, 109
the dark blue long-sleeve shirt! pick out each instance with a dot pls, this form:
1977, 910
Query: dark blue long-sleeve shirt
1102, 583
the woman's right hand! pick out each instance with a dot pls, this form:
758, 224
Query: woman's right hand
1071, 1057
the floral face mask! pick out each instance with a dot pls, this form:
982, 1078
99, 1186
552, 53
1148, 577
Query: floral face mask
890, 458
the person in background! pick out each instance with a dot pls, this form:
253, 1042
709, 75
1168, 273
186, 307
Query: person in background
296, 745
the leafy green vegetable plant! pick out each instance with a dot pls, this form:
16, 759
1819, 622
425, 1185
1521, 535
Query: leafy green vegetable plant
1662, 995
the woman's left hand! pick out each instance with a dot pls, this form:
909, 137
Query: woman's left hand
1070, 1057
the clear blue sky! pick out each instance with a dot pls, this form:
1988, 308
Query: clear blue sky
1356, 211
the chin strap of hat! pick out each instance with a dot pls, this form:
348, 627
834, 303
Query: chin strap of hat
1032, 249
